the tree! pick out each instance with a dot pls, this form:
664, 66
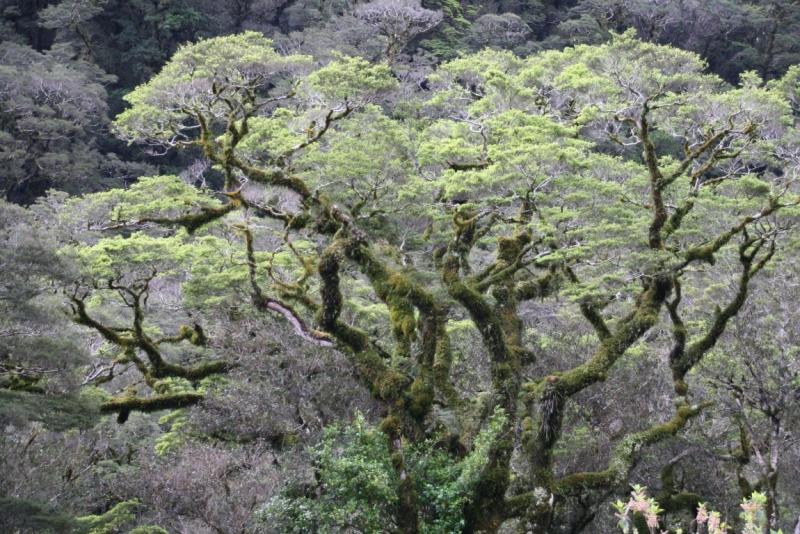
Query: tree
399, 22
500, 32
761, 391
52, 107
613, 184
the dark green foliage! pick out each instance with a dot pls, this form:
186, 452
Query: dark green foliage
55, 412
24, 516
52, 107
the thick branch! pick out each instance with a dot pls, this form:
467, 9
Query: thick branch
625, 453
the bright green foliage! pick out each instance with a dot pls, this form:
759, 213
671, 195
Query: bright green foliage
350, 82
356, 485
196, 70
112, 521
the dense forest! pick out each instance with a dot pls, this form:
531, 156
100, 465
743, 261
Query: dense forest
323, 266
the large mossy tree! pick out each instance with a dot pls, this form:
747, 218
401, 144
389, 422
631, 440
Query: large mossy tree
611, 185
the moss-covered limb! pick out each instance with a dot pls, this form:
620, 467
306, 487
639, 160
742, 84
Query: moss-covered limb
290, 220
706, 252
385, 383
316, 133
669, 497
191, 221
492, 333
194, 221
225, 156
194, 335
485, 512
403, 297
657, 180
296, 293
629, 330
682, 361
275, 177
80, 316
679, 334
442, 363
540, 287
547, 397
510, 259
692, 155
129, 356
541, 431
194, 372
591, 310
467, 232
490, 508
156, 403
676, 219
159, 367
624, 455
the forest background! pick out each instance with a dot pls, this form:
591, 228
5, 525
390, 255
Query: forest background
438, 267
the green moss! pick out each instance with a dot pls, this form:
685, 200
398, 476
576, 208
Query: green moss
392, 426
150, 404
392, 385
421, 397
625, 453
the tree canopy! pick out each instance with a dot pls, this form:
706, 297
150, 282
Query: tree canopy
484, 258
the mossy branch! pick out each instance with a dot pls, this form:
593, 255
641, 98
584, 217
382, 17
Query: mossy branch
541, 287
669, 498
384, 383
171, 401
682, 361
706, 252
628, 331
81, 316
591, 311
158, 367
624, 456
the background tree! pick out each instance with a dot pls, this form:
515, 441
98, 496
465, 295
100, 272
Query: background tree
399, 22
51, 108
